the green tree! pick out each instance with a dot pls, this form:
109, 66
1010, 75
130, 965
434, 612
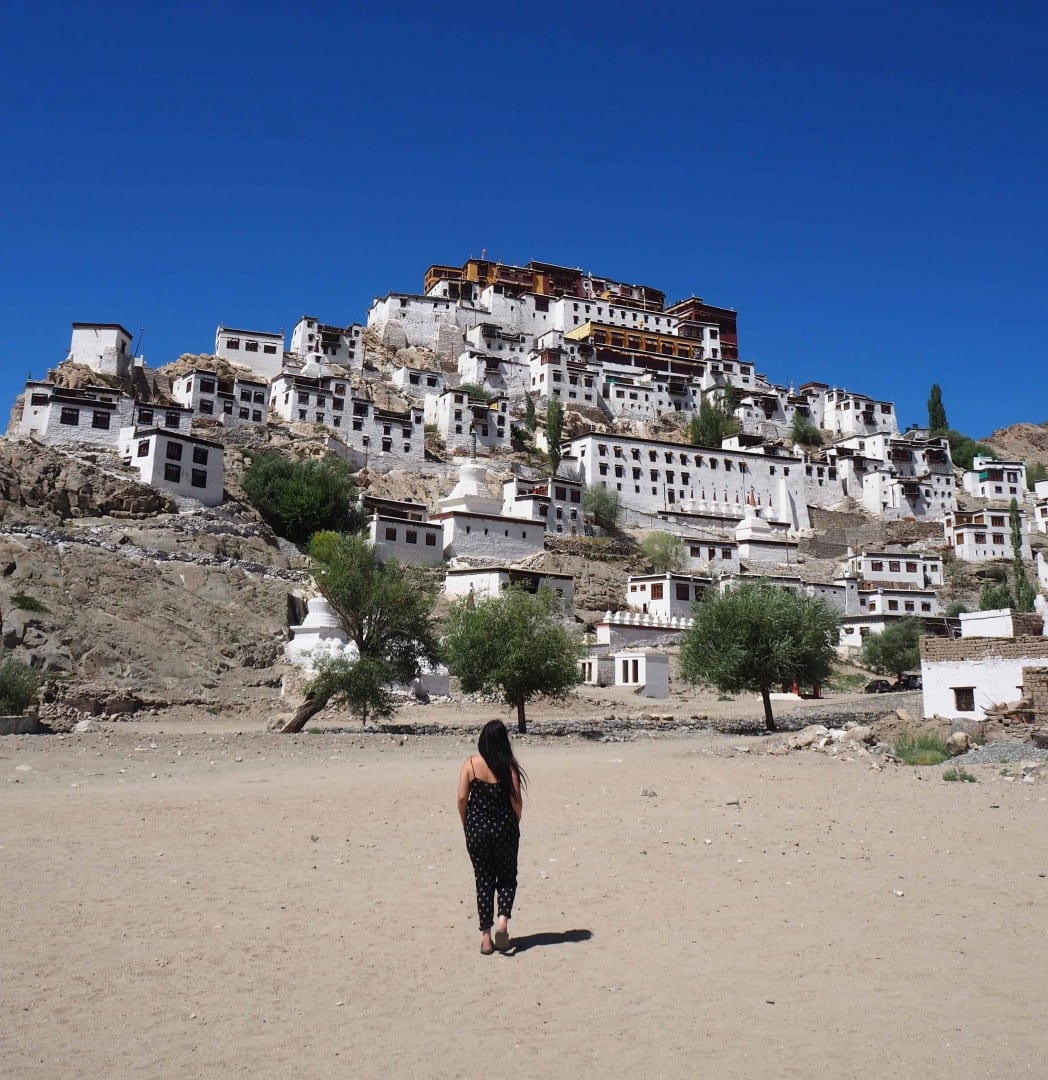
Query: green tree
298, 498
513, 644
963, 450
664, 551
554, 431
602, 505
895, 650
955, 608
994, 595
18, 687
757, 637
1022, 590
715, 419
386, 611
937, 424
530, 419
474, 391
803, 432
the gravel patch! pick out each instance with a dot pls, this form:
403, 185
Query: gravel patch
997, 752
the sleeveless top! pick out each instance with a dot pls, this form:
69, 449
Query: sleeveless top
488, 809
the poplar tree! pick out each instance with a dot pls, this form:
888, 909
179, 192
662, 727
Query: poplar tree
554, 431
937, 423
1022, 590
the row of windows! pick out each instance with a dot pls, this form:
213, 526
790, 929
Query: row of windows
893, 605
173, 474
250, 346
411, 536
894, 566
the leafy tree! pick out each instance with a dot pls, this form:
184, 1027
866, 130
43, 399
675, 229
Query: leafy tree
530, 419
1022, 589
513, 644
602, 505
756, 637
803, 432
554, 431
895, 650
937, 424
715, 419
387, 612
955, 608
299, 498
664, 551
994, 595
963, 450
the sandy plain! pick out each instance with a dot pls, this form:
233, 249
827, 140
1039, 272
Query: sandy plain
199, 899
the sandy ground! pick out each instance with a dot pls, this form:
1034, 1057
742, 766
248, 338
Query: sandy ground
181, 903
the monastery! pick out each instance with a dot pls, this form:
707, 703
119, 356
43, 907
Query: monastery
461, 358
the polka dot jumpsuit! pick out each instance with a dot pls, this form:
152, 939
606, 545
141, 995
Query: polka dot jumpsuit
492, 840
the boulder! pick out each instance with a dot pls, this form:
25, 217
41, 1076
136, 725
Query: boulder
958, 743
808, 736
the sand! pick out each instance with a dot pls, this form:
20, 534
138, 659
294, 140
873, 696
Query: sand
194, 904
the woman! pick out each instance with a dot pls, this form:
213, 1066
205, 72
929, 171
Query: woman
489, 804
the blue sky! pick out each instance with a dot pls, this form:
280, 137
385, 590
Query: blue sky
865, 183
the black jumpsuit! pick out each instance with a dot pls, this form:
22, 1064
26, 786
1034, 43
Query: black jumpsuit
492, 840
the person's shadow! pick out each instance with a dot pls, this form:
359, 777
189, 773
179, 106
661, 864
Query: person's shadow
538, 941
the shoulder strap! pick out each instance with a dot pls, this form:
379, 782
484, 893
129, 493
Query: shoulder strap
471, 769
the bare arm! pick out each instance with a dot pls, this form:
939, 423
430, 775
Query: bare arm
463, 790
515, 801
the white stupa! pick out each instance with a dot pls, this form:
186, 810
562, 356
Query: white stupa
470, 495
318, 635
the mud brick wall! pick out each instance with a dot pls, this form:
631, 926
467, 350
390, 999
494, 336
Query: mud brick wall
1019, 648
1035, 690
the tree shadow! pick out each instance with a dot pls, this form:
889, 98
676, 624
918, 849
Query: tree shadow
538, 941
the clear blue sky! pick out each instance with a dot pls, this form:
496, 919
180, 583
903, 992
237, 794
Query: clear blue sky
865, 183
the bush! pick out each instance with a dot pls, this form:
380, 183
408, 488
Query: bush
474, 391
300, 498
924, 748
804, 432
955, 773
602, 506
664, 551
18, 687
25, 602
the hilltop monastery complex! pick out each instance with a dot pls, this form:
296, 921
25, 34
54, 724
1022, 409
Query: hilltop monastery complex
459, 360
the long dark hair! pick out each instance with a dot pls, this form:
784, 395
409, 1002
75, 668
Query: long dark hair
497, 753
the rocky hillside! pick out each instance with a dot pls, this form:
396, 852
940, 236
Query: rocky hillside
1021, 442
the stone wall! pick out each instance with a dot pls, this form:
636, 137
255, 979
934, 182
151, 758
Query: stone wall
1035, 690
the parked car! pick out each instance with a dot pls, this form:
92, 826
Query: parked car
909, 682
878, 686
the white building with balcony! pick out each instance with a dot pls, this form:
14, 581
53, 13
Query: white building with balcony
260, 351
995, 481
556, 502
467, 424
241, 400
61, 416
321, 343
979, 535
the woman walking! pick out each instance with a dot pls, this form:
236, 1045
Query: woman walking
489, 804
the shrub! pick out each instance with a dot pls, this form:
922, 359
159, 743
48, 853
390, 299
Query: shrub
602, 506
474, 391
955, 773
923, 748
25, 602
300, 498
664, 551
18, 687
804, 432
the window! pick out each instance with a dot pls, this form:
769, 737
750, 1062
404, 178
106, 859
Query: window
431, 539
172, 473
174, 451
170, 419
911, 568
411, 536
250, 346
233, 343
656, 591
964, 698
894, 566
198, 478
199, 455
391, 532
303, 398
998, 538
100, 420
269, 349
145, 416
207, 408
207, 386
682, 591
143, 448
69, 416
244, 413
893, 605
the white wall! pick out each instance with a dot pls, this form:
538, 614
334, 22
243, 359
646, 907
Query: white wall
493, 537
995, 680
182, 466
257, 350
419, 543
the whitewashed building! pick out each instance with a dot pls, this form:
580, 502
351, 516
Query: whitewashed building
103, 347
896, 569
979, 535
180, 464
665, 596
1040, 506
319, 342
259, 350
60, 416
494, 580
995, 481
845, 413
418, 543
418, 382
231, 401
466, 424
985, 667
556, 502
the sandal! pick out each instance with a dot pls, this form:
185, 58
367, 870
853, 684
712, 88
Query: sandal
502, 940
